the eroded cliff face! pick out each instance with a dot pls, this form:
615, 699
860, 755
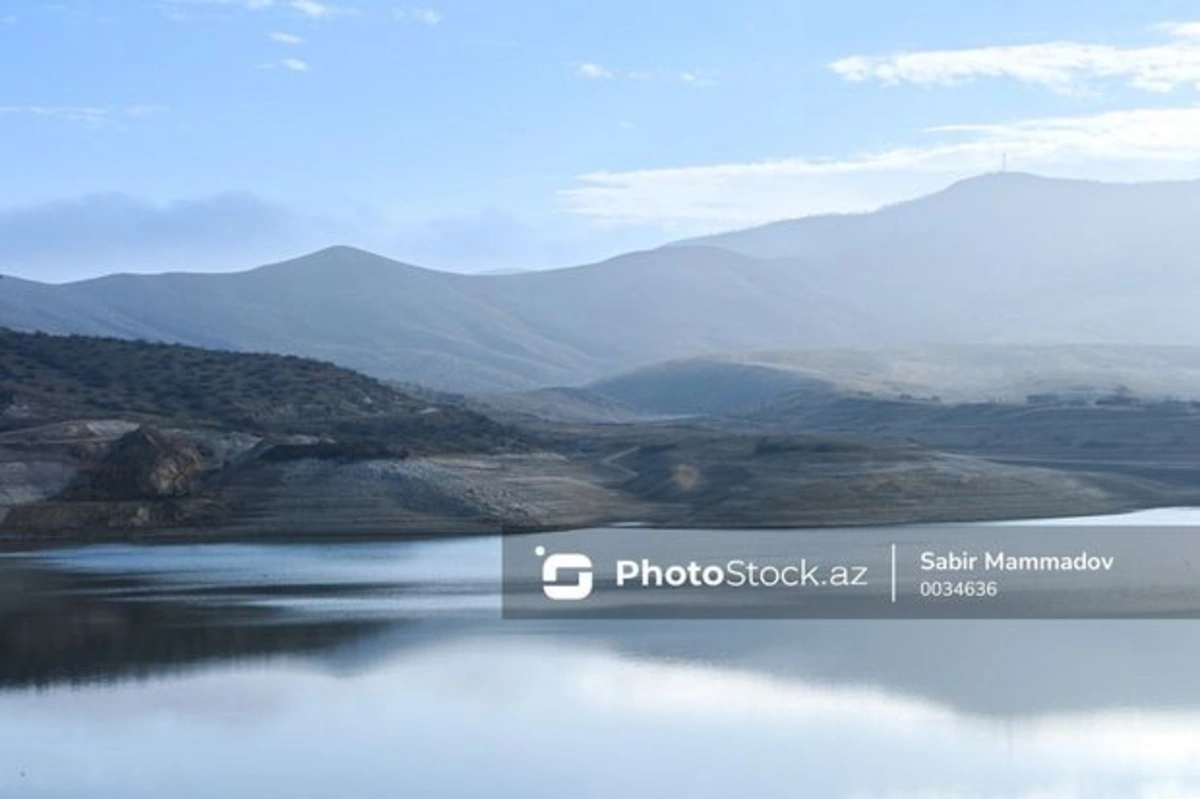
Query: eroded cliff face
110, 478
38, 463
158, 482
103, 435
146, 463
111, 474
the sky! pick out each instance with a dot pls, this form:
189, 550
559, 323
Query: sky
158, 135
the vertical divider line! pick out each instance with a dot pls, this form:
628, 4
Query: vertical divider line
893, 574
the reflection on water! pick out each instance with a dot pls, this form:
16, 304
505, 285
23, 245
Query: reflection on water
529, 717
383, 670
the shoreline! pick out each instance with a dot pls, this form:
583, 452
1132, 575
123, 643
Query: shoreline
24, 542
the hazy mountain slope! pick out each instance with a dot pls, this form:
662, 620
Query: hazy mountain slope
690, 300
995, 216
464, 332
1002, 258
1015, 257
343, 305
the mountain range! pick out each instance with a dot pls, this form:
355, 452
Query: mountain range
999, 259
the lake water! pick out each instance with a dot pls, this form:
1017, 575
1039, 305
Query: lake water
384, 670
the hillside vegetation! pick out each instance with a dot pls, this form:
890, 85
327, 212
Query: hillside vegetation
45, 378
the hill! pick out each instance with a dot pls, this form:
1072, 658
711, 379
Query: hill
1113, 409
734, 383
45, 374
48, 379
709, 385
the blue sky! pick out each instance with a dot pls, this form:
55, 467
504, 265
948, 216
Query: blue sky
218, 134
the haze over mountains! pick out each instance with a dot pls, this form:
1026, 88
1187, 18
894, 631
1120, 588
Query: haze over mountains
1008, 373
1003, 258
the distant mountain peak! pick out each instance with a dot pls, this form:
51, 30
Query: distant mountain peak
981, 197
1007, 180
337, 259
342, 252
345, 250
1006, 177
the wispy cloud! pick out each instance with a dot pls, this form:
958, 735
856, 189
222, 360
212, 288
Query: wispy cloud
1063, 66
593, 71
249, 5
1134, 144
1183, 30
286, 38
312, 9
698, 78
90, 115
287, 64
425, 16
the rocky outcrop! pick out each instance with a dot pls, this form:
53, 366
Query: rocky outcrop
146, 463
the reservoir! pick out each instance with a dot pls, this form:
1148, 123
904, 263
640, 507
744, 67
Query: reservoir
373, 670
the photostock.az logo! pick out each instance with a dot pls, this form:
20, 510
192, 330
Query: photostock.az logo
562, 591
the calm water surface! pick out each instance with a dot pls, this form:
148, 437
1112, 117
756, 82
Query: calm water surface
383, 670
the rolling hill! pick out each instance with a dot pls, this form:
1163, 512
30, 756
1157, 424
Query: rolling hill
49, 380
1010, 373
